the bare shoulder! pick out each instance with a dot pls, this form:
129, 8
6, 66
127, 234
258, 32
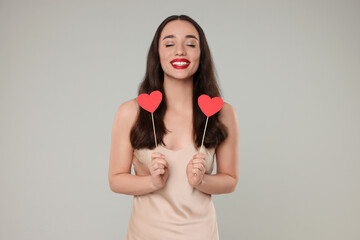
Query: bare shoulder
128, 110
227, 114
228, 117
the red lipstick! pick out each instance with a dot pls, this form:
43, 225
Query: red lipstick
180, 63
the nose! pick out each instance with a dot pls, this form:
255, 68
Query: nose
180, 50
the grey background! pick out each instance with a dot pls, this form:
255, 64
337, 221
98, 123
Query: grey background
291, 69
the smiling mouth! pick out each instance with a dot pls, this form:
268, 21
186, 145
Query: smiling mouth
180, 64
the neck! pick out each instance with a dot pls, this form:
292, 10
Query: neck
179, 93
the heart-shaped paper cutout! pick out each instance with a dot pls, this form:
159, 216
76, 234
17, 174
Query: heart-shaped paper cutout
150, 102
210, 106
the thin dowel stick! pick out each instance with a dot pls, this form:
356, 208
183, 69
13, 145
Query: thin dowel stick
203, 134
152, 117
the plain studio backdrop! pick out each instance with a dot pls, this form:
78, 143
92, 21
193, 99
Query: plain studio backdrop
291, 70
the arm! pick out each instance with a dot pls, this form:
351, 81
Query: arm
129, 184
219, 183
121, 154
227, 155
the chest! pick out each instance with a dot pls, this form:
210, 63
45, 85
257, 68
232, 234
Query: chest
180, 130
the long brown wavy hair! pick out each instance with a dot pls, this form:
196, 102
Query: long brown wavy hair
204, 82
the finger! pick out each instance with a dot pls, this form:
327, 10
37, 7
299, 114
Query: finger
204, 165
195, 170
195, 160
158, 171
156, 158
157, 155
201, 169
160, 160
198, 165
163, 162
203, 162
198, 160
155, 165
200, 155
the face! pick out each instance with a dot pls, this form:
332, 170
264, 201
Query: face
179, 49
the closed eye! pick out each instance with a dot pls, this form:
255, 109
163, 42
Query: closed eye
169, 45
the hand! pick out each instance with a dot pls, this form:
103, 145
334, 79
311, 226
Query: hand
195, 169
159, 170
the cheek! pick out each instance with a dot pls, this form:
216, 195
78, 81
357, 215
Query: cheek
161, 53
163, 56
162, 61
197, 62
197, 54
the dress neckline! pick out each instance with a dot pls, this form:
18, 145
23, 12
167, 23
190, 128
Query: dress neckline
176, 150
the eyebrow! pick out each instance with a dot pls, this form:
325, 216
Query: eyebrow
172, 36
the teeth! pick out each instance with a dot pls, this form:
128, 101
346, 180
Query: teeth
180, 63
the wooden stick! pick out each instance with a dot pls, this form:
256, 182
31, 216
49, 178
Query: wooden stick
152, 117
203, 134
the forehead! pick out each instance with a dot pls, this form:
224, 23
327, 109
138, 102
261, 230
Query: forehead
179, 28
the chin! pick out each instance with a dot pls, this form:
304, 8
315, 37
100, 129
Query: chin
182, 77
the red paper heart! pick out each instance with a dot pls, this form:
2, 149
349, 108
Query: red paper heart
150, 102
210, 106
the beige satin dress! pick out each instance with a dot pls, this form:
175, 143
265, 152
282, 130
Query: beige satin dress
177, 211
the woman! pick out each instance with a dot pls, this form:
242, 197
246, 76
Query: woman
172, 187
